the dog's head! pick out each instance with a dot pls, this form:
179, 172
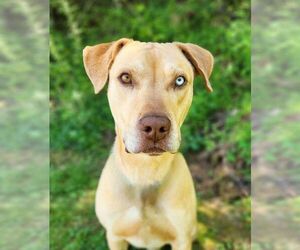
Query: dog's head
150, 88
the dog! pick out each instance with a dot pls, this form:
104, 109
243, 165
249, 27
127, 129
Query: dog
146, 195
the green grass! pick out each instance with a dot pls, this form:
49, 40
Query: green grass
73, 223
82, 128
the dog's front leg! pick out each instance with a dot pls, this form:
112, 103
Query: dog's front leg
115, 243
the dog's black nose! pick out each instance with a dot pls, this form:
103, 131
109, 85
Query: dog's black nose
155, 127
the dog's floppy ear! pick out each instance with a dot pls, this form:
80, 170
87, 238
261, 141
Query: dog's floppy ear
200, 58
98, 59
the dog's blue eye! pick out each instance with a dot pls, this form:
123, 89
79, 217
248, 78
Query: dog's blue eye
180, 81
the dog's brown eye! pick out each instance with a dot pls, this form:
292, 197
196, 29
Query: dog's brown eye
125, 78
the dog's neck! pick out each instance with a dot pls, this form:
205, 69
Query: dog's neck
142, 169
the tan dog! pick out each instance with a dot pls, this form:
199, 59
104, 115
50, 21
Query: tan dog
146, 195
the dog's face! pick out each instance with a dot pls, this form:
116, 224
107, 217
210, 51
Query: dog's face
150, 89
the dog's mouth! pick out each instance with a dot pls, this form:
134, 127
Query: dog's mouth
152, 151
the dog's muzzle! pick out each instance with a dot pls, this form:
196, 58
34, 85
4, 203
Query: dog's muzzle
154, 130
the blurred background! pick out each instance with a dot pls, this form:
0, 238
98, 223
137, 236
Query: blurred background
24, 125
216, 133
275, 182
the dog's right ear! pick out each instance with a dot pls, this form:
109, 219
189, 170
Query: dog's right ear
98, 59
200, 58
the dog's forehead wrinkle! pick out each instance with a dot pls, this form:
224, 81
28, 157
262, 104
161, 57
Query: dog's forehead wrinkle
171, 67
144, 53
149, 46
158, 47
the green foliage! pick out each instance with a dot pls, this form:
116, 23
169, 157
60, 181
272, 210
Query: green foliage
81, 123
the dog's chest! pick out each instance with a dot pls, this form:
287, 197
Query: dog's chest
145, 224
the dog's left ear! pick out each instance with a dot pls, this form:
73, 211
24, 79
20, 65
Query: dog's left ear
98, 60
200, 58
